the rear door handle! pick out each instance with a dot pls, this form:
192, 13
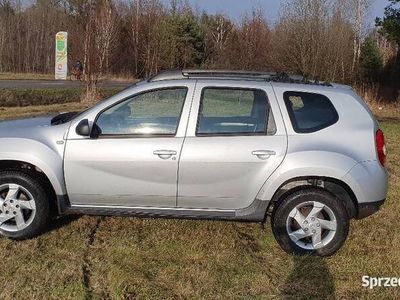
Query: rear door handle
164, 154
263, 154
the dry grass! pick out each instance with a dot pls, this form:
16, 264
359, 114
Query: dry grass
132, 258
378, 94
39, 76
25, 76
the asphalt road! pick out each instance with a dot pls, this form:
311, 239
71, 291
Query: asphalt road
36, 84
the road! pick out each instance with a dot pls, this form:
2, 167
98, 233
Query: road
36, 84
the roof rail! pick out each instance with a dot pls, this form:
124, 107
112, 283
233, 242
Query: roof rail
226, 73
229, 74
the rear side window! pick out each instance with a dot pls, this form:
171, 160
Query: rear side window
231, 111
310, 112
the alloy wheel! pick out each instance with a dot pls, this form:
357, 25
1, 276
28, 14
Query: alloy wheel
17, 207
311, 225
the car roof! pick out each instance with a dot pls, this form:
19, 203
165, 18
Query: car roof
276, 79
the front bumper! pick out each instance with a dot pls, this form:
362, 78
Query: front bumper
369, 208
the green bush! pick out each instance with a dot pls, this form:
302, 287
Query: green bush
27, 97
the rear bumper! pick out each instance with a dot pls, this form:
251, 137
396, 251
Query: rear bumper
369, 208
369, 182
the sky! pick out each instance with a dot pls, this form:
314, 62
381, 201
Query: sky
236, 8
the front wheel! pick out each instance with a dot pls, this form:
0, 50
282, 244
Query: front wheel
24, 205
310, 221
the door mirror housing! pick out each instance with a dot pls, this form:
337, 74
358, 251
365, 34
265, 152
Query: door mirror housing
83, 128
96, 131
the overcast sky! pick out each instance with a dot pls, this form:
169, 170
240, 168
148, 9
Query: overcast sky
236, 8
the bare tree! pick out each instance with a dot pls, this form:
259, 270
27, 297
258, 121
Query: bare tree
301, 37
143, 16
106, 29
217, 32
360, 7
134, 29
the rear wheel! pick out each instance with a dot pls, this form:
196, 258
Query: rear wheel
24, 205
310, 221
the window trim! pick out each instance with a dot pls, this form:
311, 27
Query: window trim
264, 133
145, 135
292, 117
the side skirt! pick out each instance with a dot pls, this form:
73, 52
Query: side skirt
256, 212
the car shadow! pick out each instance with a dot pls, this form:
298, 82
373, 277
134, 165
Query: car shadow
61, 222
309, 279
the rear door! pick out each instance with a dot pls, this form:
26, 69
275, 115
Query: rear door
234, 142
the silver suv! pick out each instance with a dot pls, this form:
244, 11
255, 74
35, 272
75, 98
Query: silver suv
203, 144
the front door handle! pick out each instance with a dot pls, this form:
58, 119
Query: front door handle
164, 154
263, 154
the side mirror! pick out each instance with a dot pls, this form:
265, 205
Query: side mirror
83, 128
96, 131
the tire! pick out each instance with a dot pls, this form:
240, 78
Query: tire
31, 202
292, 210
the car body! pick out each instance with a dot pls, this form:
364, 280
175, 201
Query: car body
203, 144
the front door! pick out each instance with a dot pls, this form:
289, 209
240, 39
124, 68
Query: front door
235, 141
134, 161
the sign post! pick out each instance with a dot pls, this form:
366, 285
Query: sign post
61, 65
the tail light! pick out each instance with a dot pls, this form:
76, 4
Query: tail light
380, 146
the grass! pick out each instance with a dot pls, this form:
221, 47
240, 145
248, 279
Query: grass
132, 258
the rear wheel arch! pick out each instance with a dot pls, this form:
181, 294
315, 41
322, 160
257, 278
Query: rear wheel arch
336, 187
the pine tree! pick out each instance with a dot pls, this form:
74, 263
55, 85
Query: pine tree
371, 61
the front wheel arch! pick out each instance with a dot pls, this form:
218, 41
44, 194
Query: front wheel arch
35, 172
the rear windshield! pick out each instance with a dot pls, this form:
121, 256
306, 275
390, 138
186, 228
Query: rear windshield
310, 112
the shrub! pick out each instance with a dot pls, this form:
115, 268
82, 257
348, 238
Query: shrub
27, 97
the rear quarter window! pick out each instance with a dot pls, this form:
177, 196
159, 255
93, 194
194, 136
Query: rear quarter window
309, 112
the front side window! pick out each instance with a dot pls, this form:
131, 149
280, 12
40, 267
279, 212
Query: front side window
310, 112
230, 111
150, 113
